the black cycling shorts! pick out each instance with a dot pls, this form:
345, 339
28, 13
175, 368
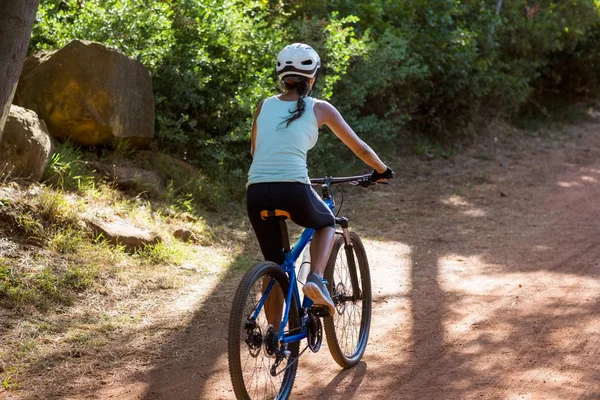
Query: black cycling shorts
305, 206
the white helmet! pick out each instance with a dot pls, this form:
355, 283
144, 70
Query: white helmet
298, 59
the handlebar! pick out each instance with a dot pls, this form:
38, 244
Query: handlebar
330, 179
358, 180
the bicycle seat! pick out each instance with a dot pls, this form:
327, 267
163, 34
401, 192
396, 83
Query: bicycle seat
278, 214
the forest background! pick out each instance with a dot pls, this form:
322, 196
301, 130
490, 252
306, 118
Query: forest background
405, 74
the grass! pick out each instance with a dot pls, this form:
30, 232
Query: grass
29, 224
67, 170
426, 147
33, 284
173, 253
484, 157
57, 208
67, 292
8, 384
68, 241
553, 112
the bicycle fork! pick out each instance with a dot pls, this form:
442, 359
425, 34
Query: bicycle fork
349, 248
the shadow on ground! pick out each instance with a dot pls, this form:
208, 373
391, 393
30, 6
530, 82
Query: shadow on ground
500, 261
501, 290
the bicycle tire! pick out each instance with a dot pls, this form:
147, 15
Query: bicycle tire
347, 348
261, 385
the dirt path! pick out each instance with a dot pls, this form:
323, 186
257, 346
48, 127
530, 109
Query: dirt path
486, 279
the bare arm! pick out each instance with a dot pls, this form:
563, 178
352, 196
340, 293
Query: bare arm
327, 114
253, 141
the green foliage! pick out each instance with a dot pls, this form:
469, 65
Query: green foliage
190, 189
164, 253
40, 288
393, 68
141, 29
66, 241
29, 225
434, 67
55, 208
67, 170
7, 381
212, 62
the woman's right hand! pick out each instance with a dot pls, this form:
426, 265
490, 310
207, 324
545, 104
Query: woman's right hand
382, 176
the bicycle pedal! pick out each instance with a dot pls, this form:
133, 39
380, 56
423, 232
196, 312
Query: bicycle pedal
321, 311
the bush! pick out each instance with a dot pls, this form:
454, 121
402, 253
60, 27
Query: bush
424, 67
212, 62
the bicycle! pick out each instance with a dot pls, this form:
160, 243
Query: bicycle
263, 359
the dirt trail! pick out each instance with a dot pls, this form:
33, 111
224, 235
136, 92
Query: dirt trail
486, 280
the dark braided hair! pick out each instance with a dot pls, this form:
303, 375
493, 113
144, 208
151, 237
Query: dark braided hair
301, 85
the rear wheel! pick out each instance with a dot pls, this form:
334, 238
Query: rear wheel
257, 366
347, 331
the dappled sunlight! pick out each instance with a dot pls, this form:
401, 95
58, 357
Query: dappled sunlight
552, 380
523, 322
391, 268
394, 260
465, 207
471, 275
476, 212
541, 248
456, 201
589, 179
390, 341
591, 170
580, 181
468, 274
568, 184
366, 378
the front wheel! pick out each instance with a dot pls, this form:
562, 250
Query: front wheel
347, 331
258, 367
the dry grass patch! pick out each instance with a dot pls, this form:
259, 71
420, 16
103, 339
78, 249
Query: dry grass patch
75, 307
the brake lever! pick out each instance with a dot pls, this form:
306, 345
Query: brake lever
365, 183
368, 183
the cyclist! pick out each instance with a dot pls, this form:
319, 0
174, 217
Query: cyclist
285, 127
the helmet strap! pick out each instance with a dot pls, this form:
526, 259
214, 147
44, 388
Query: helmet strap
313, 85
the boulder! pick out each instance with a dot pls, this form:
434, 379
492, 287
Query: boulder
185, 235
150, 159
122, 233
90, 94
136, 179
26, 146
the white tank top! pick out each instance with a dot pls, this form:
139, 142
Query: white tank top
280, 152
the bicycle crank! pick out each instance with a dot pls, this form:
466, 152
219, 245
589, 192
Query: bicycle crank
314, 335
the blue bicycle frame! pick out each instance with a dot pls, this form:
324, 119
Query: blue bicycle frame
293, 294
293, 254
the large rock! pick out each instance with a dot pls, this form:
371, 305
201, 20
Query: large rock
136, 179
90, 94
26, 146
122, 233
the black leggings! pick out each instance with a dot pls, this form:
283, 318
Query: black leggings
305, 206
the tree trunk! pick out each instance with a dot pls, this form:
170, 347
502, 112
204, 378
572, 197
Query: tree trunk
16, 21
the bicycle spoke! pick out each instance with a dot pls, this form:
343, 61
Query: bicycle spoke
348, 324
347, 331
257, 366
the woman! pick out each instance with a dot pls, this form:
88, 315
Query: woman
285, 127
